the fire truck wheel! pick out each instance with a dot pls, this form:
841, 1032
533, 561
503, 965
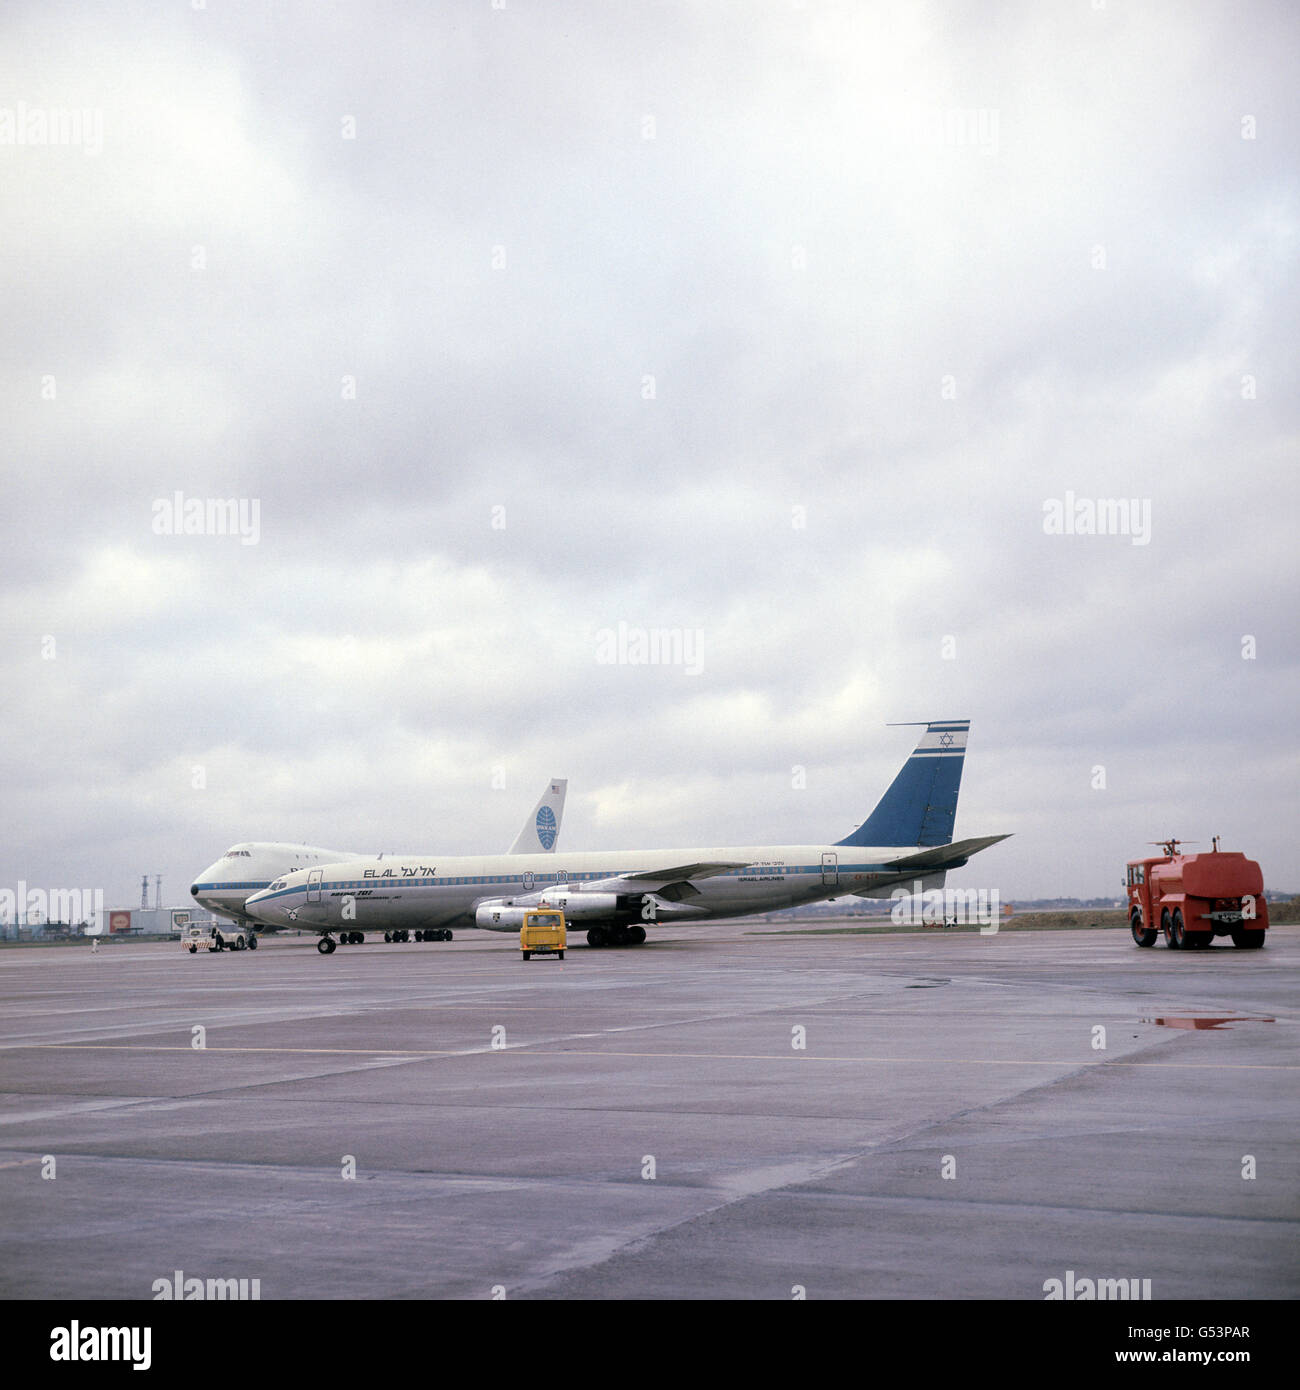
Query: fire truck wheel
1144, 936
1177, 936
1248, 940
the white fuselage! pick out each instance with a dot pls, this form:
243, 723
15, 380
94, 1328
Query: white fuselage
227, 884
433, 891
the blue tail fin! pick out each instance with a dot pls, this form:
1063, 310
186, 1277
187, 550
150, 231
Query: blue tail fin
920, 807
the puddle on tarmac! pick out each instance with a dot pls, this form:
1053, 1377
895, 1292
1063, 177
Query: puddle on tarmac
1202, 1022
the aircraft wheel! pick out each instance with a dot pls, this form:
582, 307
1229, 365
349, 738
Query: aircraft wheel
252, 943
1144, 936
388, 936
636, 935
597, 936
1248, 940
325, 946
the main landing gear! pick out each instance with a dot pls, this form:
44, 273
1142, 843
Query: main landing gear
616, 936
326, 945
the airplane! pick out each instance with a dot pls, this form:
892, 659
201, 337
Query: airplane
225, 886
616, 893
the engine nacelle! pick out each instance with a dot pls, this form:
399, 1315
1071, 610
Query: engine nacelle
584, 906
508, 915
498, 917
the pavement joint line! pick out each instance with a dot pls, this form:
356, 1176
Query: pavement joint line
537, 1050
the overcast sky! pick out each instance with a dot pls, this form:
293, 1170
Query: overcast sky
798, 330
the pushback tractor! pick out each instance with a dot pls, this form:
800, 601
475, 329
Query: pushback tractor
1192, 898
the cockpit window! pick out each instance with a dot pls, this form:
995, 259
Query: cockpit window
237, 854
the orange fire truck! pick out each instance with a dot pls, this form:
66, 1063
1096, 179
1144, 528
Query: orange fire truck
1192, 898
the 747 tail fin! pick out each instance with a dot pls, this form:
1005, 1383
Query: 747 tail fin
542, 828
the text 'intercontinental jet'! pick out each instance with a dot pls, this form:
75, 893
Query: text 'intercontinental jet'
614, 893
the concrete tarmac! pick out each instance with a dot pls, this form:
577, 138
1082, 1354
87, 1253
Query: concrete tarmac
729, 1111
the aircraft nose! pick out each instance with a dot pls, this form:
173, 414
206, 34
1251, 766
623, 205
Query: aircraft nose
265, 908
208, 876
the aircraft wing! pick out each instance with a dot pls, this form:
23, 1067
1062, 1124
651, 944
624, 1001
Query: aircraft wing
683, 871
647, 880
945, 856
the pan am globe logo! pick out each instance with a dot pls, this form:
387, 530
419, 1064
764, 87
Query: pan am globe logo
546, 827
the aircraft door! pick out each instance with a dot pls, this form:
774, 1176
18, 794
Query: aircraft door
313, 885
830, 870
528, 881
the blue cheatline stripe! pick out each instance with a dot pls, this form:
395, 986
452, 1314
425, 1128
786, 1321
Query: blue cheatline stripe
232, 887
785, 871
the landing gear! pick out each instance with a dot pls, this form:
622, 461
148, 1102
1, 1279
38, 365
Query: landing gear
1144, 936
252, 943
326, 945
615, 936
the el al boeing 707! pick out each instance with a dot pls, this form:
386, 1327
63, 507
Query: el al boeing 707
615, 894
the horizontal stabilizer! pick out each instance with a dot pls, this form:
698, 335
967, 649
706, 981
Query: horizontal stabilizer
945, 856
